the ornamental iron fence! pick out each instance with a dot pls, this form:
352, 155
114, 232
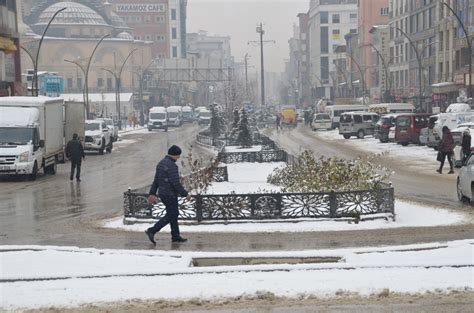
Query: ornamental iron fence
268, 205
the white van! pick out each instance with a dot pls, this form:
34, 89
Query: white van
335, 111
385, 108
357, 124
174, 116
321, 121
158, 118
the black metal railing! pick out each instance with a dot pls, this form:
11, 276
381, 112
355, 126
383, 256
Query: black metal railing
269, 205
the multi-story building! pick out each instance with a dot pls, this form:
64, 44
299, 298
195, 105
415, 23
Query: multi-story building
162, 22
416, 19
72, 36
294, 67
370, 13
305, 86
329, 21
10, 71
215, 48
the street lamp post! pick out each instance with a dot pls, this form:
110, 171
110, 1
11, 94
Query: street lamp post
141, 77
85, 71
117, 76
469, 44
387, 87
419, 66
35, 64
361, 77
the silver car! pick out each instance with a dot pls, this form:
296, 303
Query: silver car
465, 180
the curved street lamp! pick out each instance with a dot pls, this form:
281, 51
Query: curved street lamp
417, 54
141, 77
361, 77
85, 71
469, 45
117, 76
35, 64
387, 87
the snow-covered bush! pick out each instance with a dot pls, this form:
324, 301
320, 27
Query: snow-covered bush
319, 174
244, 137
200, 173
217, 126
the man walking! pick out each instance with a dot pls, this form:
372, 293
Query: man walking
75, 152
169, 188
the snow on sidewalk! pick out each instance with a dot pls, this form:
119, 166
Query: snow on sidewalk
85, 276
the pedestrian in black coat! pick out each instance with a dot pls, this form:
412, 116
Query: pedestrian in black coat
466, 145
75, 152
169, 187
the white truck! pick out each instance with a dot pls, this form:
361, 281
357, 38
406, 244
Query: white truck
158, 118
174, 116
31, 135
98, 136
204, 117
187, 114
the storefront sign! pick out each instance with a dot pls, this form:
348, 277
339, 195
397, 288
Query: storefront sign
140, 8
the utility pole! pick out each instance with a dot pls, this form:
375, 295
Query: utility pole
246, 76
262, 67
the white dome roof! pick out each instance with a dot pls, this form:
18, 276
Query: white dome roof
75, 14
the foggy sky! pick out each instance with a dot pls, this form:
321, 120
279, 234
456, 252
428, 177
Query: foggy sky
239, 18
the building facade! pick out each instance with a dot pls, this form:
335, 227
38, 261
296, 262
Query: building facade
417, 20
329, 21
370, 13
10, 70
162, 22
72, 37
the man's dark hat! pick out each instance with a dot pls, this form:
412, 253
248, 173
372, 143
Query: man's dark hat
174, 150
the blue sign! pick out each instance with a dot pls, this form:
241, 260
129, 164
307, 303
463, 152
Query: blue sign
52, 85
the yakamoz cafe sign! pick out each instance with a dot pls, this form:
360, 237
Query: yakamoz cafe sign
140, 8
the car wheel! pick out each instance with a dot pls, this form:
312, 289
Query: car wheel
166, 128
346, 136
34, 173
51, 169
404, 143
360, 134
461, 197
149, 129
101, 150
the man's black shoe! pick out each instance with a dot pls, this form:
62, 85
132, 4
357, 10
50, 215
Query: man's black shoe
179, 239
151, 236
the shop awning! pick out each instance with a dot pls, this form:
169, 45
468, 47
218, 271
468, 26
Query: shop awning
7, 45
444, 87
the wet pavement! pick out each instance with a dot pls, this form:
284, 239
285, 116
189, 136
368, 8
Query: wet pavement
54, 211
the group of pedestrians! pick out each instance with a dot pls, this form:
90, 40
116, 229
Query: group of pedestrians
446, 148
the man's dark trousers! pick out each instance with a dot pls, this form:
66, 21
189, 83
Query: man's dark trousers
171, 216
76, 164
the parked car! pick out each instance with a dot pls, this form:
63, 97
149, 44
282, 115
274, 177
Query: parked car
112, 127
321, 121
385, 128
357, 124
98, 137
465, 180
408, 127
428, 136
335, 111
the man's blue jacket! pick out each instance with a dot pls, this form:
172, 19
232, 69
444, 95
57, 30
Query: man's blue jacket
167, 180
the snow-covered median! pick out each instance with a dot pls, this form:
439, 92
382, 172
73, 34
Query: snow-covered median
69, 276
407, 215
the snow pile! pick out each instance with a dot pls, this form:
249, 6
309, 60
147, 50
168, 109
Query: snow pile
69, 276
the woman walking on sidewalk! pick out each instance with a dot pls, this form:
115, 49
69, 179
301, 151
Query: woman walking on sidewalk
446, 147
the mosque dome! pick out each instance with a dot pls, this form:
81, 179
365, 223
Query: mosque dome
75, 14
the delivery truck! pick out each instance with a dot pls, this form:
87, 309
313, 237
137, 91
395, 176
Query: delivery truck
32, 131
